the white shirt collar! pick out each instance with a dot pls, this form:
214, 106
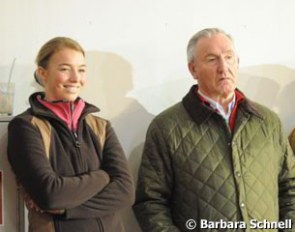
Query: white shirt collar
216, 106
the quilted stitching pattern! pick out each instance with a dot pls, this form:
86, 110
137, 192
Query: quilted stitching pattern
215, 171
204, 168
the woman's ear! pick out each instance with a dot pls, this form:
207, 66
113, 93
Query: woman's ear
40, 75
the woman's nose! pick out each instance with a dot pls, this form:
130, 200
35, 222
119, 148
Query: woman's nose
75, 76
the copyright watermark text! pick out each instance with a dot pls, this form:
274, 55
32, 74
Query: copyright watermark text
192, 224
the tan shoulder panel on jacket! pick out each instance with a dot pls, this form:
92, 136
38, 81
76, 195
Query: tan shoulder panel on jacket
98, 126
45, 130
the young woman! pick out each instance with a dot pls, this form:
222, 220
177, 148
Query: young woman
68, 162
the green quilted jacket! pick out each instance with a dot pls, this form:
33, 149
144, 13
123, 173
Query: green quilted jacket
194, 167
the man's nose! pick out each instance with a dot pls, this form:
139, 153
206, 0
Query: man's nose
222, 64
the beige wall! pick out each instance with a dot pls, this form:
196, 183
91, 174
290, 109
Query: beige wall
136, 54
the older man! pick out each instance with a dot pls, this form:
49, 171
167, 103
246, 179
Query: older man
216, 161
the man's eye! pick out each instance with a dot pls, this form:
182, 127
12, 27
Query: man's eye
211, 59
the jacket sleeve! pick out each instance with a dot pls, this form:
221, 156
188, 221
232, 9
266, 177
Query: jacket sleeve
155, 184
33, 171
287, 181
119, 193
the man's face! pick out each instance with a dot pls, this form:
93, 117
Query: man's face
215, 66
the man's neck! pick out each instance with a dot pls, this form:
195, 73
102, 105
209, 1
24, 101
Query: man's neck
221, 100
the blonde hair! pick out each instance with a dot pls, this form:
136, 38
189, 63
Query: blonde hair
51, 47
54, 45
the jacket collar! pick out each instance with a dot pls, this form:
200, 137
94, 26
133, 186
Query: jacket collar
200, 112
40, 110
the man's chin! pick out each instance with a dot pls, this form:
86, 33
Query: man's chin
228, 92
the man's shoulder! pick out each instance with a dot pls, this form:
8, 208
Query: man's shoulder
172, 112
171, 117
263, 111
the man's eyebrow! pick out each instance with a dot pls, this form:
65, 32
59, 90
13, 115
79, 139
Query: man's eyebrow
226, 52
230, 51
210, 54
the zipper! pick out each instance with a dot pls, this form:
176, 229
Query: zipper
77, 143
76, 140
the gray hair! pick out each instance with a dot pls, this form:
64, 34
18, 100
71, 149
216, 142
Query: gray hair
207, 33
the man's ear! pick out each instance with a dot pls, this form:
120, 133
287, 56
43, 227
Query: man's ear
192, 68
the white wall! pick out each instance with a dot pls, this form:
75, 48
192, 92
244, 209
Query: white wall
136, 54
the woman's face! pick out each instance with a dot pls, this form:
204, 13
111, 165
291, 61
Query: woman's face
64, 76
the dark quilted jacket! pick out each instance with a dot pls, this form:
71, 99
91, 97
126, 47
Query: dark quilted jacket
194, 167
